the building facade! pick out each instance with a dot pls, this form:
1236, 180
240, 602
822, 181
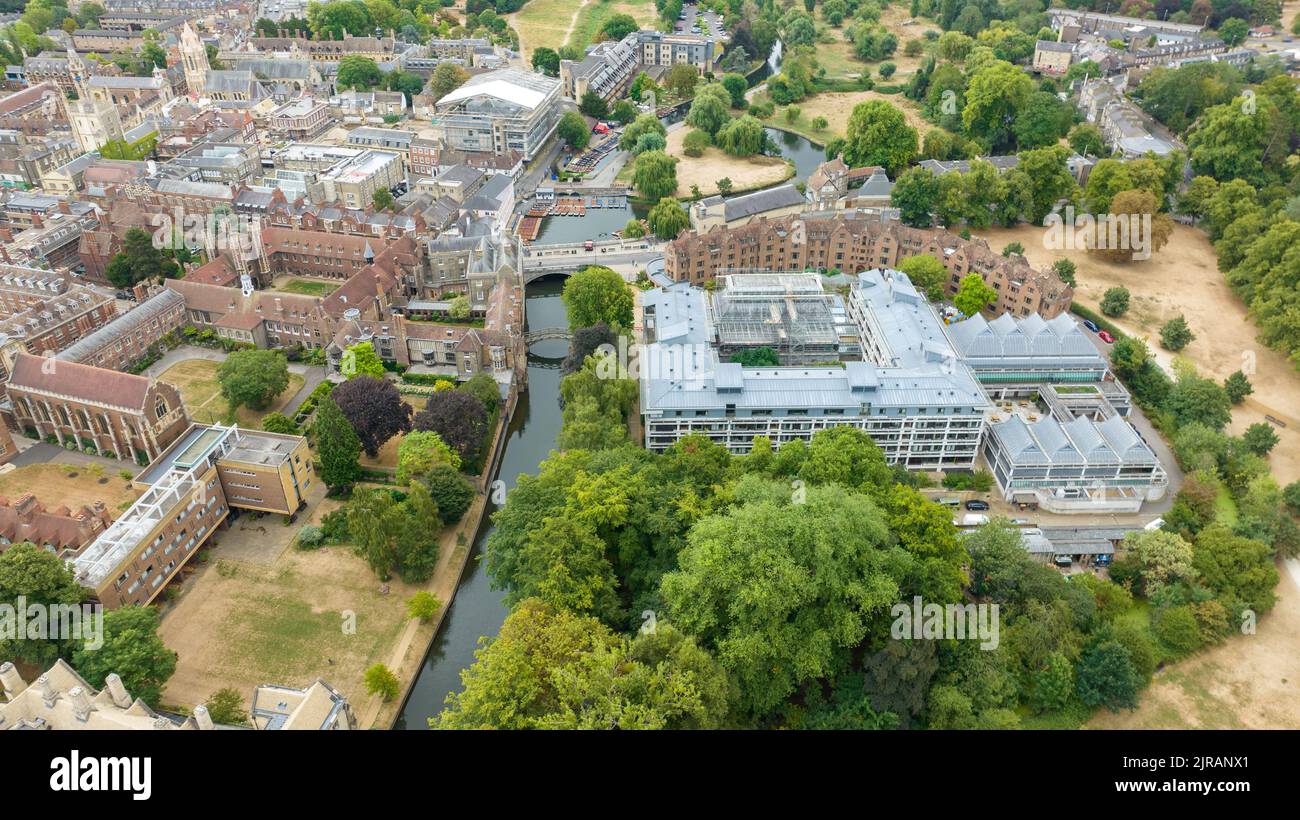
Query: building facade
851, 243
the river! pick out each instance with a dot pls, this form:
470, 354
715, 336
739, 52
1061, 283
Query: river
478, 610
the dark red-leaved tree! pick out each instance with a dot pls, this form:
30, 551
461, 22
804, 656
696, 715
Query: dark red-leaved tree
457, 417
374, 408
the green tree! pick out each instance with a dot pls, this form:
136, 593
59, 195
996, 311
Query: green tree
132, 649
1052, 686
709, 112
779, 589
1105, 677
139, 261
1042, 121
1259, 438
253, 378
654, 174
423, 606
736, 86
1045, 174
593, 105
279, 423
668, 218
878, 134
361, 359
449, 490
419, 451
927, 273
598, 294
382, 199
618, 26
1115, 301
1175, 334
994, 98
1065, 268
337, 446
547, 61
973, 295
1235, 567
446, 78
1161, 557
1238, 387
1086, 139
380, 680
643, 124
41, 578
573, 130
552, 669
742, 137
1233, 31
915, 195
226, 708
361, 73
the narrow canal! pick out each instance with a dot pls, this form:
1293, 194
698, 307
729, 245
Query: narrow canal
478, 610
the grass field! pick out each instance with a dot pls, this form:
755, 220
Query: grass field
57, 485
554, 23
836, 107
197, 381
705, 171
306, 614
305, 287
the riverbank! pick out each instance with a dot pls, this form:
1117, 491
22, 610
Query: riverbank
477, 610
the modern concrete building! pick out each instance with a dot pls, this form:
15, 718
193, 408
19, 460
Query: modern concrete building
188, 492
353, 183
501, 111
911, 394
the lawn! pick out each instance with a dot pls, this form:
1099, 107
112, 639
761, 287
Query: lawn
705, 171
57, 485
592, 16
197, 381
308, 614
305, 287
836, 107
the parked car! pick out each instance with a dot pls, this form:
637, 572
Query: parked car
1091, 325
1106, 337
974, 520
1103, 560
1020, 522
977, 505
1063, 561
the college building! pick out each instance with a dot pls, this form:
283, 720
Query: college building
852, 242
189, 490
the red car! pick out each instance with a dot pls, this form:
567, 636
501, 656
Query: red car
1106, 337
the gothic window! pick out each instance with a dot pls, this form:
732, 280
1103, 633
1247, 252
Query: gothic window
160, 409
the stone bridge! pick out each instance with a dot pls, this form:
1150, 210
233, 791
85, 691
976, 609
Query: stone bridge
546, 333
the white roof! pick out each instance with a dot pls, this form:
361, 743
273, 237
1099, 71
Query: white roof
498, 84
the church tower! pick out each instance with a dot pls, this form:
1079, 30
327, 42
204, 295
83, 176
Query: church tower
194, 60
94, 121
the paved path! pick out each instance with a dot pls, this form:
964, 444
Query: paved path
312, 375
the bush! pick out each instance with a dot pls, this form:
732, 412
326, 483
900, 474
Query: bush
695, 143
1114, 302
381, 681
423, 606
310, 537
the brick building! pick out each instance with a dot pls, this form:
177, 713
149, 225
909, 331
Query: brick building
128, 338
853, 244
63, 531
131, 417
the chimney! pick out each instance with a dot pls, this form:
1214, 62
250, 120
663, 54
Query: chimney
113, 683
13, 682
202, 717
46, 691
80, 703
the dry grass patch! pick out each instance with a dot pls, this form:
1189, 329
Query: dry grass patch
242, 624
705, 171
837, 107
1183, 278
1249, 682
73, 485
